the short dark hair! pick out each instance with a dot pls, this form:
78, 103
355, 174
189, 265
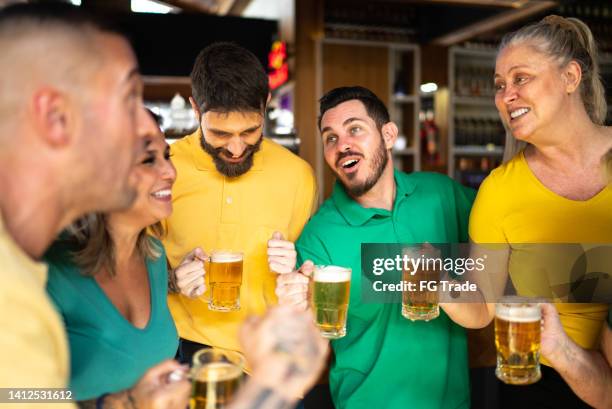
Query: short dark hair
375, 108
227, 77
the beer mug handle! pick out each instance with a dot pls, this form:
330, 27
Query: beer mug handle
206, 296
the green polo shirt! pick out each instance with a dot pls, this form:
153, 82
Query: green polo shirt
385, 360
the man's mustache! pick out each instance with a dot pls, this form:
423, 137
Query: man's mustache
343, 155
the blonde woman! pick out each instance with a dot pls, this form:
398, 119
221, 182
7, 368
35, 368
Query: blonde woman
550, 188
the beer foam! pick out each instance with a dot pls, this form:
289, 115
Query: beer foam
332, 274
518, 312
225, 257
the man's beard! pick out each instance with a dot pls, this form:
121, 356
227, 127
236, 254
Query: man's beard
379, 162
228, 169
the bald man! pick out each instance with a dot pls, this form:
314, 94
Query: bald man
71, 125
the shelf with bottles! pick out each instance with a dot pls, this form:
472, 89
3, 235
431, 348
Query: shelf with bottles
476, 135
472, 75
471, 129
430, 138
597, 14
479, 150
404, 80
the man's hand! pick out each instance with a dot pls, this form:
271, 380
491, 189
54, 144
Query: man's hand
189, 274
285, 350
282, 256
292, 288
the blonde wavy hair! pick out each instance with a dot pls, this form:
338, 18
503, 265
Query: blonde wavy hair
96, 249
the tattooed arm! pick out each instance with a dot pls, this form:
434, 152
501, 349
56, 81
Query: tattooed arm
255, 396
287, 354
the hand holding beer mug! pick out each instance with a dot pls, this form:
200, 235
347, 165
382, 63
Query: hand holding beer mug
420, 299
517, 338
189, 274
225, 279
330, 295
217, 375
292, 289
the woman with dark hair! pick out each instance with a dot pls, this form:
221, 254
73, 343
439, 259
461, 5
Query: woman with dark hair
108, 278
550, 188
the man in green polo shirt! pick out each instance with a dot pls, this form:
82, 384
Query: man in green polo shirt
384, 361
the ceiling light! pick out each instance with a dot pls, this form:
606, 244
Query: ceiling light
149, 6
429, 87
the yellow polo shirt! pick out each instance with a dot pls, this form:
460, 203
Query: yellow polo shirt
33, 346
513, 206
213, 211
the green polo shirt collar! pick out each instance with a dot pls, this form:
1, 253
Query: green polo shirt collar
357, 215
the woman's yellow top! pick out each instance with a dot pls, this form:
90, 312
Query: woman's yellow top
514, 207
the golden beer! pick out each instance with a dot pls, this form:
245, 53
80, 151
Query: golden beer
517, 338
217, 375
420, 301
330, 291
224, 280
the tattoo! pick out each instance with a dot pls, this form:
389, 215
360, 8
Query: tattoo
267, 399
300, 346
172, 286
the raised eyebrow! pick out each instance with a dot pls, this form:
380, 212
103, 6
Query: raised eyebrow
350, 120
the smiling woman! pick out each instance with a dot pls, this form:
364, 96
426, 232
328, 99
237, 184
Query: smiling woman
108, 278
551, 188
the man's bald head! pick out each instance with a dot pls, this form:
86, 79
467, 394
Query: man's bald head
49, 45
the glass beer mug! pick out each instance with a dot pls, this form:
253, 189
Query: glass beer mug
517, 339
330, 292
420, 303
224, 280
216, 374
